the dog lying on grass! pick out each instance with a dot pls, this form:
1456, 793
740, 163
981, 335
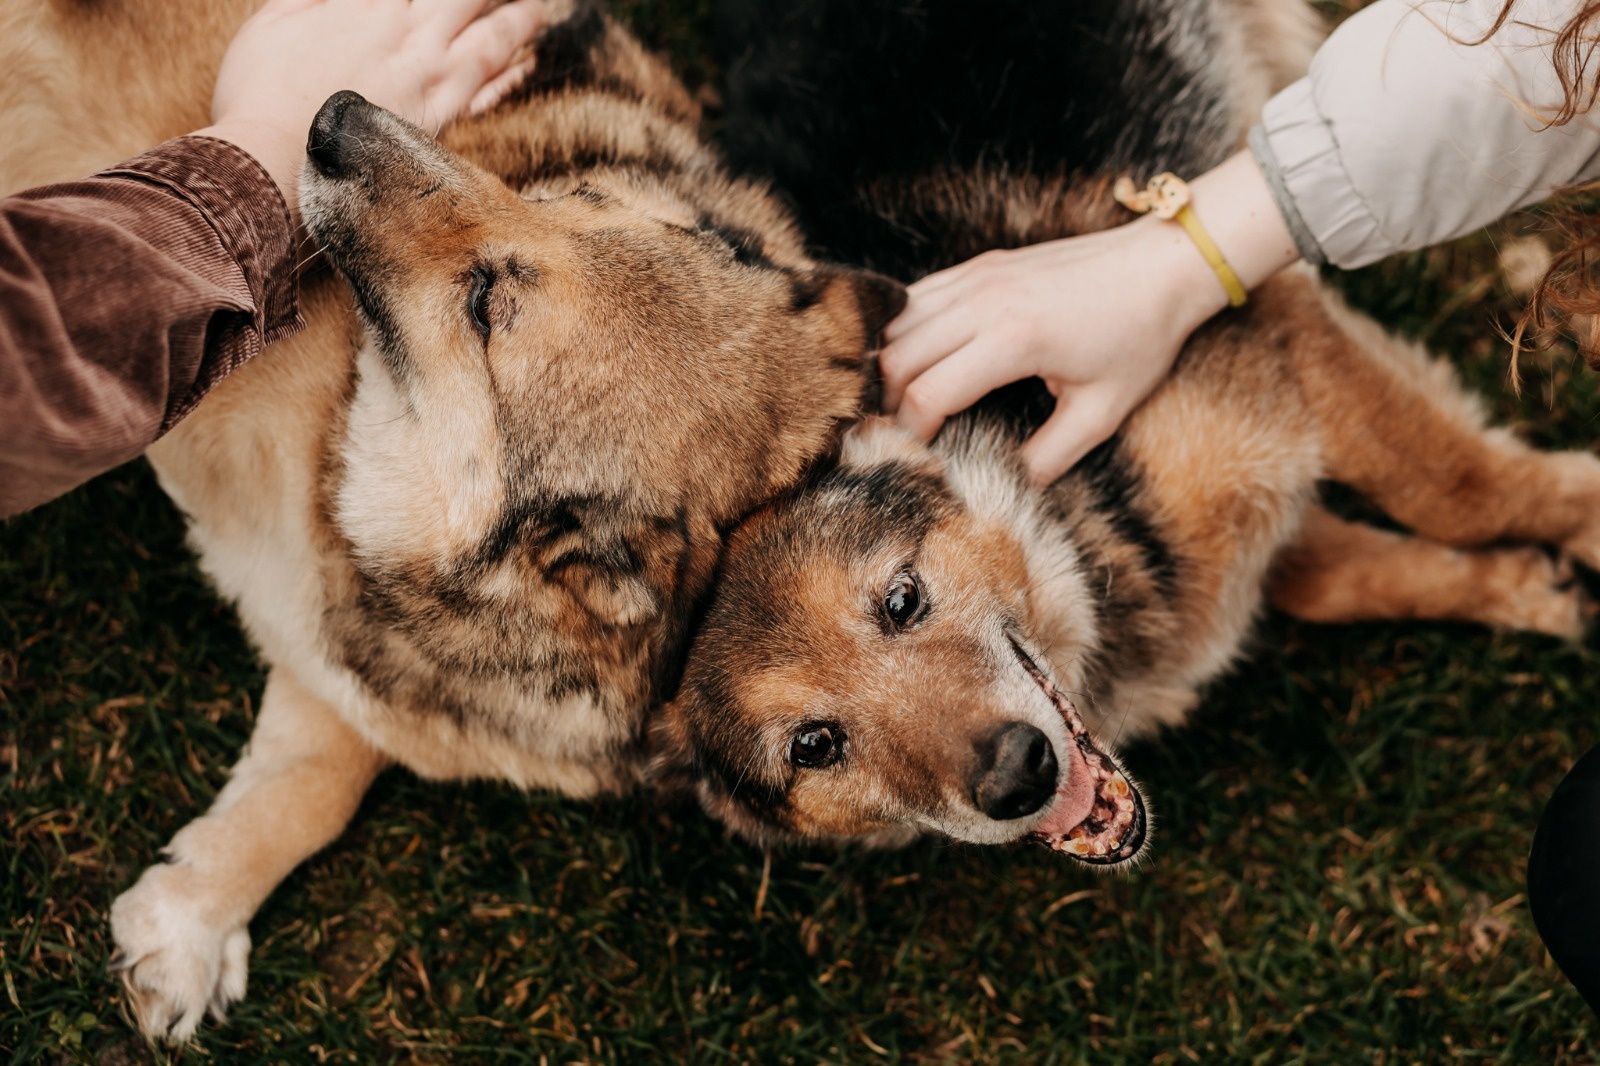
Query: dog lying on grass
905, 643
464, 515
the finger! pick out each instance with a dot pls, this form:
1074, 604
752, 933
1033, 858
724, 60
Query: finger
919, 308
508, 27
902, 361
1078, 424
277, 8
935, 282
485, 49
953, 385
444, 19
501, 87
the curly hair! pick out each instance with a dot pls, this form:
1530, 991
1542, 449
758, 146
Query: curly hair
1570, 289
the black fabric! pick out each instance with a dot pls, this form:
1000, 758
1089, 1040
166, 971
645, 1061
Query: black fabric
1564, 877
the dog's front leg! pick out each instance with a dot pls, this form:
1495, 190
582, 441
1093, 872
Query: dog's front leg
181, 936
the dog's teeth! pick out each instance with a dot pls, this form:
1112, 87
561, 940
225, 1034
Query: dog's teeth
1119, 786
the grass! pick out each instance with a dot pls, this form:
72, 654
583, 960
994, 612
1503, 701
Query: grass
1342, 837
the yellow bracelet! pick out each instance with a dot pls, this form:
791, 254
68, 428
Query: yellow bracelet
1167, 196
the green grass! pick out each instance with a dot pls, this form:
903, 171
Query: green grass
1338, 874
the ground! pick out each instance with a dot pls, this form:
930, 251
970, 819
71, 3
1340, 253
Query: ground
1338, 876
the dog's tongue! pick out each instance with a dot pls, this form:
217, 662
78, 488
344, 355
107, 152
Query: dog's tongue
1097, 816
1074, 799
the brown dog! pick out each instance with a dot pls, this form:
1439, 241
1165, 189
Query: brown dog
890, 649
464, 518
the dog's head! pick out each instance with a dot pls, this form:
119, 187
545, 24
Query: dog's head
566, 386
870, 667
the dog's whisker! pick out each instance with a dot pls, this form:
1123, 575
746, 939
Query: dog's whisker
304, 262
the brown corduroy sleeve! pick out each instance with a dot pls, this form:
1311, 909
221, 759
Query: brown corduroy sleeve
124, 298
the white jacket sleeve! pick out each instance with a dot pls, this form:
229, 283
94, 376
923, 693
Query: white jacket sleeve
1405, 134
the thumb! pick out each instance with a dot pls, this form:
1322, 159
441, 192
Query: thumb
1079, 423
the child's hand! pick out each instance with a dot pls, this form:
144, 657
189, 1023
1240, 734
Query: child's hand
426, 60
1100, 318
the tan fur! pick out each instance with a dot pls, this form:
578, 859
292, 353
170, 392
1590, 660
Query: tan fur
181, 934
1431, 462
1339, 571
88, 84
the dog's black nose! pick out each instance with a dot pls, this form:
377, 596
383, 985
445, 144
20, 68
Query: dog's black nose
1016, 774
333, 137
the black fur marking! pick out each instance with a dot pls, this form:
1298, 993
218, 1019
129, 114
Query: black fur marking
1115, 485
562, 56
564, 59
902, 499
805, 289
614, 559
381, 325
414, 611
551, 518
682, 613
593, 157
748, 248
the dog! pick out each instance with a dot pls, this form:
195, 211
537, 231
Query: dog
466, 512
917, 640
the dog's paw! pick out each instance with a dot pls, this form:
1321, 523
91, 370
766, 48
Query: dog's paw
1585, 547
1534, 591
1577, 492
175, 964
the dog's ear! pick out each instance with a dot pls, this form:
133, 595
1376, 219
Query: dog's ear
669, 747
879, 297
876, 298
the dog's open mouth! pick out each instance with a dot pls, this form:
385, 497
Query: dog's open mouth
1098, 816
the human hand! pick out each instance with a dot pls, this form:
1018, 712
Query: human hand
428, 61
1100, 318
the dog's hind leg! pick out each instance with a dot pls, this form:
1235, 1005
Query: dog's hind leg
1397, 425
182, 942
1339, 571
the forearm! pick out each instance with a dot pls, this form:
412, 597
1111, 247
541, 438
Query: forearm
1406, 133
123, 299
1238, 209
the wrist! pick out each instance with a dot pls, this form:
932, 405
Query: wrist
1238, 209
280, 152
1190, 292
1229, 236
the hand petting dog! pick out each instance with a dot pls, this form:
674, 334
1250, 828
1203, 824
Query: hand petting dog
1099, 318
428, 61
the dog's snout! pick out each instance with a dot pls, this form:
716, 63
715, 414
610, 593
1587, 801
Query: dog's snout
335, 133
1017, 772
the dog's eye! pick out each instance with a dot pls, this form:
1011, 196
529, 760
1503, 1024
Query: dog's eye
816, 746
478, 301
903, 602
